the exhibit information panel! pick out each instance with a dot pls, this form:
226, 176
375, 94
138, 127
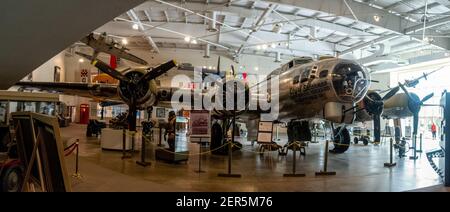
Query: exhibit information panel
265, 129
200, 123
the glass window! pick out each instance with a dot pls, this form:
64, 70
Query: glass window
323, 74
305, 74
291, 64
296, 80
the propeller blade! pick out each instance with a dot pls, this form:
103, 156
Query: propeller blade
406, 92
426, 98
391, 93
158, 71
105, 68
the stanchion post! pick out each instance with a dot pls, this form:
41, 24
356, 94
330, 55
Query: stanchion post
76, 159
143, 150
325, 164
414, 157
77, 174
200, 158
420, 144
294, 164
391, 155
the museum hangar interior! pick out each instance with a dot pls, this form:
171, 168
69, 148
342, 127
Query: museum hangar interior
225, 95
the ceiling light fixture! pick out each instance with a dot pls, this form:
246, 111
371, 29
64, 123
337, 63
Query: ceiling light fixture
124, 41
135, 27
194, 41
187, 39
258, 47
273, 45
256, 69
264, 46
81, 60
376, 18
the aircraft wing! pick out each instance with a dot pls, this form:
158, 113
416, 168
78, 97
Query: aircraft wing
102, 46
100, 92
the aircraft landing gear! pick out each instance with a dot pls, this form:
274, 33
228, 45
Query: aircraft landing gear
297, 131
341, 140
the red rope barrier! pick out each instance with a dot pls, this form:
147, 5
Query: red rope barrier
71, 151
75, 143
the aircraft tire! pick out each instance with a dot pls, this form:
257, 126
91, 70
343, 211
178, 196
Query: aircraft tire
355, 140
341, 140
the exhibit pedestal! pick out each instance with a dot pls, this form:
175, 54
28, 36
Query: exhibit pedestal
112, 139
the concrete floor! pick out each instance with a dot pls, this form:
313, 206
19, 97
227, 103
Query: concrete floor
359, 169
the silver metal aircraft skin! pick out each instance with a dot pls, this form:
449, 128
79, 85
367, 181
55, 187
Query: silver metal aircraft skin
101, 44
325, 89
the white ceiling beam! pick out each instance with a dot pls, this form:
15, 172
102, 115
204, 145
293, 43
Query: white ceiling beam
421, 10
147, 14
166, 15
396, 4
367, 44
135, 19
182, 35
430, 24
244, 12
257, 26
365, 13
204, 16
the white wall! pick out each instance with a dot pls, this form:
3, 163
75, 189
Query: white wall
45, 72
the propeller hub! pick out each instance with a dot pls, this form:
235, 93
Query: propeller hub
373, 103
134, 91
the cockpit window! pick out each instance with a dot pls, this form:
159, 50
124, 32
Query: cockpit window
303, 61
305, 74
296, 80
350, 81
323, 74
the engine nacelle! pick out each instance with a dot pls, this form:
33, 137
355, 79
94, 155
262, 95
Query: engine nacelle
141, 92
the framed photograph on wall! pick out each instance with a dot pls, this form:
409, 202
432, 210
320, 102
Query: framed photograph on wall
160, 113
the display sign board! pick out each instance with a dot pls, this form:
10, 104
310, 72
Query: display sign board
265, 126
265, 129
200, 124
